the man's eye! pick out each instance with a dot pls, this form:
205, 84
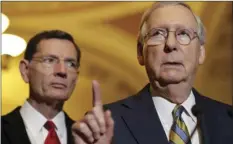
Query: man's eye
184, 33
49, 60
71, 64
157, 33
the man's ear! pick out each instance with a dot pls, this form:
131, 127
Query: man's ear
24, 70
140, 53
202, 55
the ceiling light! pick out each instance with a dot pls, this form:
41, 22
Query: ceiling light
12, 45
5, 22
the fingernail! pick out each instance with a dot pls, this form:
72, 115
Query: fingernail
103, 130
97, 136
92, 139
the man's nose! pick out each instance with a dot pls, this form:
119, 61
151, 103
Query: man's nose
171, 43
60, 69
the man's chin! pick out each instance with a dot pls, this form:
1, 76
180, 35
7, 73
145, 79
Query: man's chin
170, 80
59, 97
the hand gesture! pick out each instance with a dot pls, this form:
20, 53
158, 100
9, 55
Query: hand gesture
97, 126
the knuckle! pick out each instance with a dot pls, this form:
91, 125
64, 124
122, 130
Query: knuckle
82, 125
91, 139
101, 122
88, 112
95, 129
89, 135
89, 117
96, 109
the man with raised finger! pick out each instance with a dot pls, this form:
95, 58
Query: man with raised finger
167, 110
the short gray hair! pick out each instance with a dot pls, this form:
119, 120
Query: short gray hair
143, 25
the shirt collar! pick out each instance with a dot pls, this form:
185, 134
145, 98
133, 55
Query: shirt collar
165, 107
35, 121
188, 105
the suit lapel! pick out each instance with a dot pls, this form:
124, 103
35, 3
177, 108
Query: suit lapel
209, 126
69, 123
15, 128
142, 119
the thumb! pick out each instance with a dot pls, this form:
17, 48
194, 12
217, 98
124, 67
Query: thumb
109, 124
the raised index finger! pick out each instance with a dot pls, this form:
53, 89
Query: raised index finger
96, 101
97, 106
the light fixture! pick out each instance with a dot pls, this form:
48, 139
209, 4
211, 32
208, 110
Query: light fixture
5, 22
12, 45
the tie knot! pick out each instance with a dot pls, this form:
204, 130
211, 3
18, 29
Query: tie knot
49, 125
177, 111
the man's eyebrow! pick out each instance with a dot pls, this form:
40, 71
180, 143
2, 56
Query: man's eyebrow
173, 26
51, 55
70, 59
55, 56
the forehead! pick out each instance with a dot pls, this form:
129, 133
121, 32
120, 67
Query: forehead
172, 16
58, 47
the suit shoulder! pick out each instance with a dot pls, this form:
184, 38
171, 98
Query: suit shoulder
209, 102
217, 107
115, 106
11, 115
216, 103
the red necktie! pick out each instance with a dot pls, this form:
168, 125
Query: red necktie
52, 137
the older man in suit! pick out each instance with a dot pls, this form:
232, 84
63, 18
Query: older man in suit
50, 66
167, 110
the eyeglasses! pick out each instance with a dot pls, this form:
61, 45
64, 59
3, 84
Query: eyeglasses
159, 36
50, 62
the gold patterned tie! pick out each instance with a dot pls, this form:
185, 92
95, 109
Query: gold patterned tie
179, 132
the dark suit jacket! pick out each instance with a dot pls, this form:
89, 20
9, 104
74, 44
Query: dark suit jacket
13, 129
137, 122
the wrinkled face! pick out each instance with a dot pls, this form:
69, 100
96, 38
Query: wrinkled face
51, 73
172, 62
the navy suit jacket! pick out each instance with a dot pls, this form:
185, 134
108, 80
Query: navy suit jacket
13, 130
137, 122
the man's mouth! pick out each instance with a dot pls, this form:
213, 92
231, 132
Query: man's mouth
58, 85
173, 64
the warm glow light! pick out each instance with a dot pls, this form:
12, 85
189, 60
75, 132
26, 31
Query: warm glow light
5, 22
12, 45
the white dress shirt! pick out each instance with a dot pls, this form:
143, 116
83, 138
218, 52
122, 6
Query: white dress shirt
164, 109
34, 123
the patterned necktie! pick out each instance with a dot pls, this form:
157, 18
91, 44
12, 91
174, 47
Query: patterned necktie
52, 137
179, 132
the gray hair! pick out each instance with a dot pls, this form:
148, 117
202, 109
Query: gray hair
143, 25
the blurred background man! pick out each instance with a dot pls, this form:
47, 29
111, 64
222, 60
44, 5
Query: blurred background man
50, 67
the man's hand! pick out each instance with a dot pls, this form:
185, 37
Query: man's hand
97, 126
